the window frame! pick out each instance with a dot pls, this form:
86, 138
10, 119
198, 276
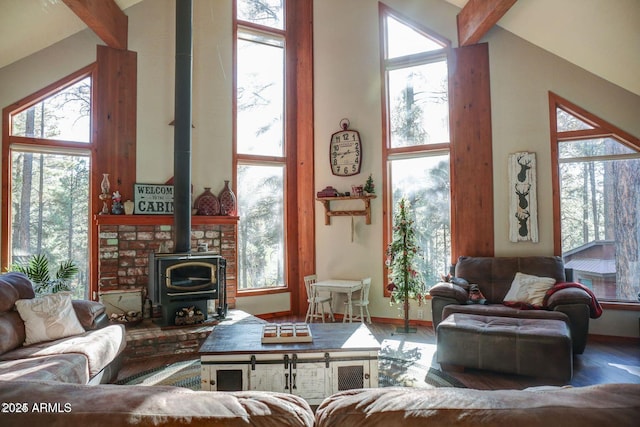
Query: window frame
288, 158
389, 153
9, 140
600, 129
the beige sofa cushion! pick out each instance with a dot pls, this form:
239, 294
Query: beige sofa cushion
48, 318
112, 405
597, 406
529, 289
99, 347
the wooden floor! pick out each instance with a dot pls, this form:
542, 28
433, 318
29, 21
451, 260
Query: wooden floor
602, 362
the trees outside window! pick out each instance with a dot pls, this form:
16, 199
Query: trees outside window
260, 143
416, 136
598, 183
49, 148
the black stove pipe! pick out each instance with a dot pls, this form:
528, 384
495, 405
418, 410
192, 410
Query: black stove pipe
182, 130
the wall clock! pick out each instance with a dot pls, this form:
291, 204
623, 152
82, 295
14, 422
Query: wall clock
345, 151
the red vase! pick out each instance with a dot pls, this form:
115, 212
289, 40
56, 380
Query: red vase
207, 203
227, 201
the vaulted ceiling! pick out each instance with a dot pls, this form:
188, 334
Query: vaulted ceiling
601, 36
27, 26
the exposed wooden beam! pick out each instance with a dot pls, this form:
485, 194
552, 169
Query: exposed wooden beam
478, 16
105, 18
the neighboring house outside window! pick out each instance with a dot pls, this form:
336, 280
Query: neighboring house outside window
598, 201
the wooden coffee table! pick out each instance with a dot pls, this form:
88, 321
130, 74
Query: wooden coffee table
341, 356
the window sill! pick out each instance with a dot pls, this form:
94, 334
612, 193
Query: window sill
261, 291
619, 305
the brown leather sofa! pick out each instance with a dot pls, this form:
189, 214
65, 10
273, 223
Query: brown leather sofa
494, 276
592, 406
91, 357
57, 404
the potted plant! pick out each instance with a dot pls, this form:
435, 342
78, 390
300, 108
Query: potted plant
38, 270
405, 282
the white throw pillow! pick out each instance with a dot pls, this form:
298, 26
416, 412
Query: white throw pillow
529, 289
48, 318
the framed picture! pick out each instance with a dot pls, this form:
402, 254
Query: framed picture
523, 205
153, 199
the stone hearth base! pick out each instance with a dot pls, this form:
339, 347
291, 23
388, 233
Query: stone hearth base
148, 339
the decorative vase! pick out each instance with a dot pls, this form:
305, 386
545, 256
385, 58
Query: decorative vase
227, 200
207, 203
128, 207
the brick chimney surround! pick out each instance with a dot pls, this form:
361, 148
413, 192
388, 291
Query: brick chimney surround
125, 241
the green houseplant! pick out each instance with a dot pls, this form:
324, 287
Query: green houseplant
405, 282
38, 270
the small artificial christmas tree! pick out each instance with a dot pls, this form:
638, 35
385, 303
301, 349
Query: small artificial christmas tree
369, 187
405, 281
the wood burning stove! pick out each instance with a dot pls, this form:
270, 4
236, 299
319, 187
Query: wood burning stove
181, 280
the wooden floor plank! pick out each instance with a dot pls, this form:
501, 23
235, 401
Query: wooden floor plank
602, 362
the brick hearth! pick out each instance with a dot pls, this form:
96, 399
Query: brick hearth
147, 339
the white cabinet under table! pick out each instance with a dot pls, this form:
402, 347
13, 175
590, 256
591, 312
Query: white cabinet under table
340, 357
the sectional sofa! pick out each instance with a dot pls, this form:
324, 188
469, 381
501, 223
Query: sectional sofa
58, 404
53, 338
56, 383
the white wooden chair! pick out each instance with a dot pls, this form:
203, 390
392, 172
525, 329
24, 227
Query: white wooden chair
316, 302
361, 303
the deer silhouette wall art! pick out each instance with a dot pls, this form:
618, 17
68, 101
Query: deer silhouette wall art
523, 207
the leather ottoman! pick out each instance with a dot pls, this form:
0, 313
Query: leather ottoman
532, 347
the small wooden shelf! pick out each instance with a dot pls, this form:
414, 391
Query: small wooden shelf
328, 213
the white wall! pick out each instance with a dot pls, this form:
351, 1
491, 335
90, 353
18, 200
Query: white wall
152, 36
347, 84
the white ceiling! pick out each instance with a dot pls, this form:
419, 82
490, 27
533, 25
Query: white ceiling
602, 36
27, 26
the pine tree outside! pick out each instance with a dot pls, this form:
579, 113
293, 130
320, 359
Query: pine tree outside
50, 181
600, 210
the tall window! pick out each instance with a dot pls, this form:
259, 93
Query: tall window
416, 143
598, 178
261, 143
49, 149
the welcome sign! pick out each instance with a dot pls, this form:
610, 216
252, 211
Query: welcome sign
153, 199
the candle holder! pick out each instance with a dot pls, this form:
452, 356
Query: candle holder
105, 186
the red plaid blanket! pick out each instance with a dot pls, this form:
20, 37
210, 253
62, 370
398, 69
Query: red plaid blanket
595, 310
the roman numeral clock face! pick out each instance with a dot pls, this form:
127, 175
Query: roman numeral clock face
345, 153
